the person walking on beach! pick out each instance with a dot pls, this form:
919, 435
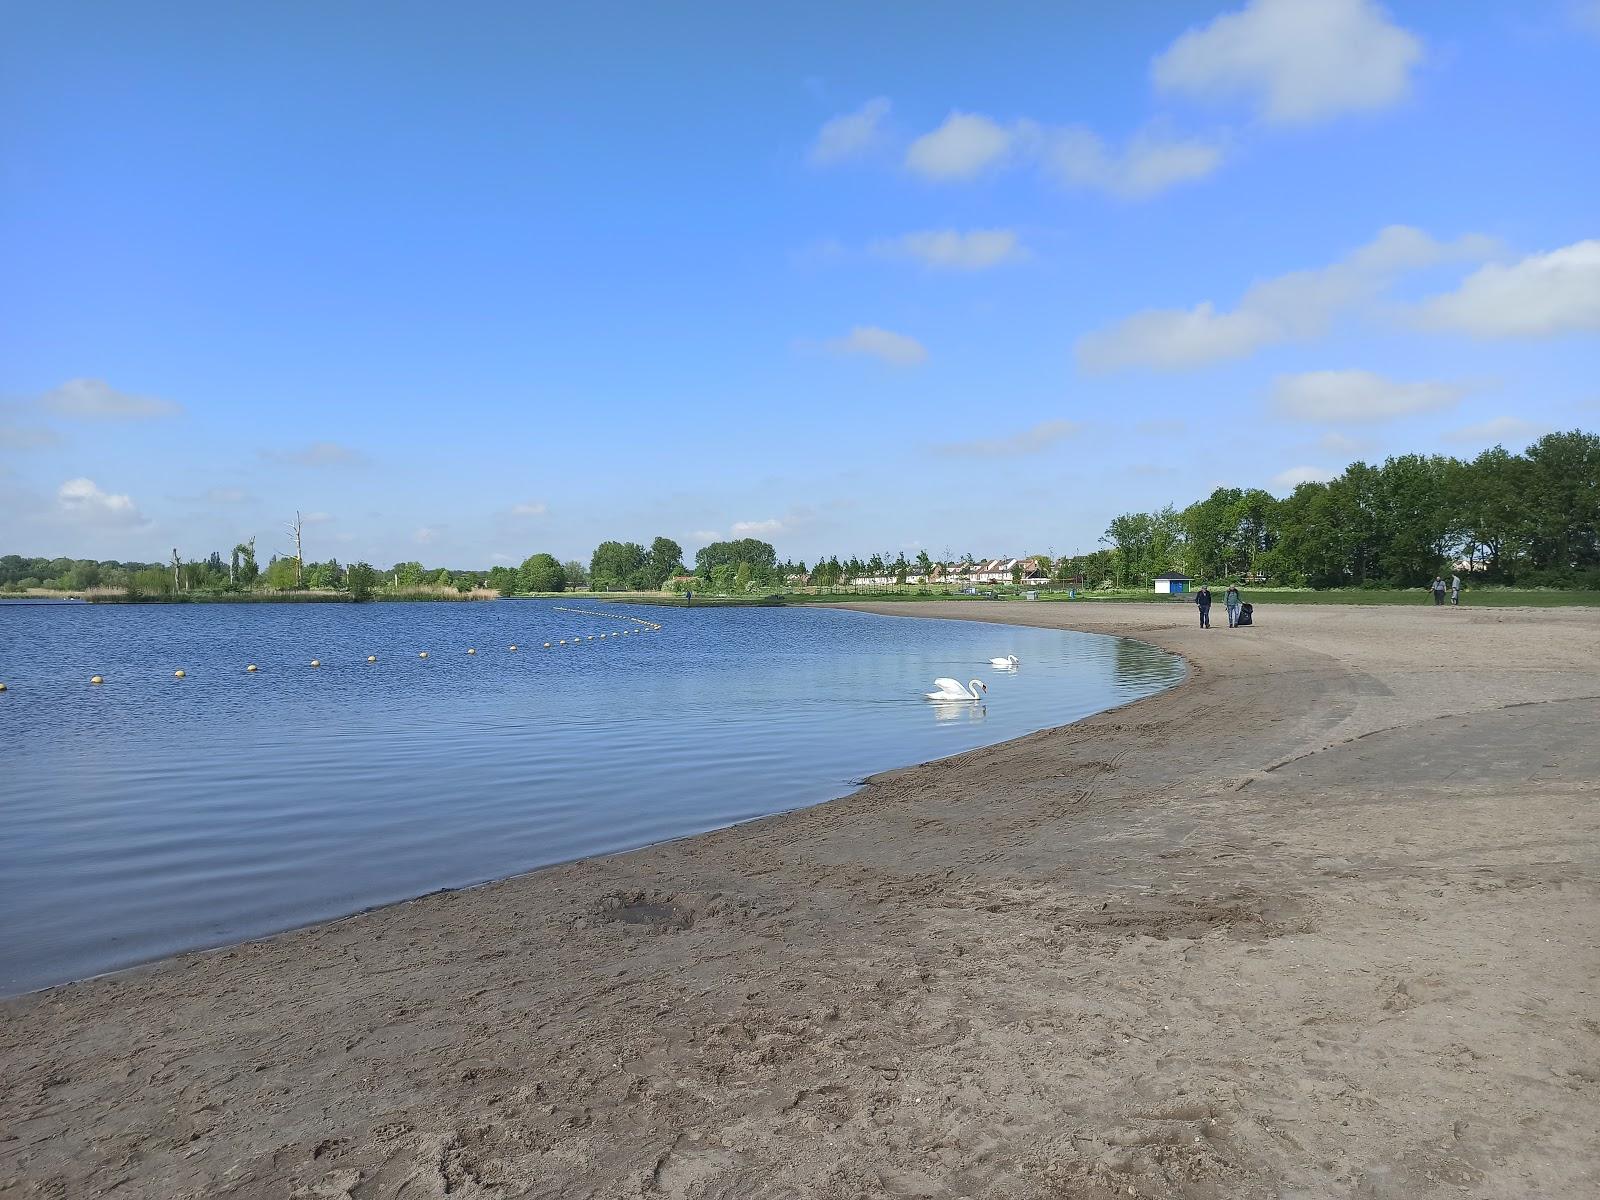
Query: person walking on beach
1438, 591
1203, 599
1231, 599
1455, 590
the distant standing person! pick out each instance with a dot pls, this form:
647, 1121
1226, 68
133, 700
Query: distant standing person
1203, 599
1438, 590
1455, 589
1231, 599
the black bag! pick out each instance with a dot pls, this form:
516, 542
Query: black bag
1244, 614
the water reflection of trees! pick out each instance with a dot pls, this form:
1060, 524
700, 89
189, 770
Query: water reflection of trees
1138, 664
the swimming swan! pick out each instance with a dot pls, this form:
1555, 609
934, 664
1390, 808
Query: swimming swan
1008, 661
950, 689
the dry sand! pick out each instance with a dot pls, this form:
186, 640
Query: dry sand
1319, 922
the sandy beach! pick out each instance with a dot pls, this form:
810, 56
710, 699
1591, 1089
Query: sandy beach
1320, 922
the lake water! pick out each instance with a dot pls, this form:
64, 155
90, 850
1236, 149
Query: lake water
151, 814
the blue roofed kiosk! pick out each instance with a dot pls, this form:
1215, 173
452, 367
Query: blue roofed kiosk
1172, 585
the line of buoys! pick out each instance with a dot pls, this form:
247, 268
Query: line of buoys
252, 669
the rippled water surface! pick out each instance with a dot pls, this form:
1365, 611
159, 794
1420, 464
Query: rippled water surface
152, 814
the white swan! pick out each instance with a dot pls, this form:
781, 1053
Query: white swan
1009, 661
951, 689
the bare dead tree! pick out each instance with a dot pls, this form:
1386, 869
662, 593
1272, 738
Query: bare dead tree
295, 527
174, 568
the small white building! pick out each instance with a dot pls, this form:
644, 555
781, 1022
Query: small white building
1172, 585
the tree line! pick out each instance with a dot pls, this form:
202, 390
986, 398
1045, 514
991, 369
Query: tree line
1531, 519
740, 565
240, 573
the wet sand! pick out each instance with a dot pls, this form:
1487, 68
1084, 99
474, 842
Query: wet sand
1319, 922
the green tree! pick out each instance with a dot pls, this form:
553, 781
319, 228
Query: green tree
1564, 489
246, 572
362, 578
283, 573
505, 580
615, 565
577, 574
542, 573
664, 560
760, 555
407, 574
324, 576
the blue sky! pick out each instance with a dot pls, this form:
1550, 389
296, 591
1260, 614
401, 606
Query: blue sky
468, 282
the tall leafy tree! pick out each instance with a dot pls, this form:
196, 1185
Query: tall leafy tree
663, 560
542, 573
616, 565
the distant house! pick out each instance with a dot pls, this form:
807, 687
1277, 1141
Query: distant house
1172, 585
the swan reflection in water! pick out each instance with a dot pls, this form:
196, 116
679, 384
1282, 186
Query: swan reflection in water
958, 710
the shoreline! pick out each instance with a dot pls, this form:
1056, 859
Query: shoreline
158, 960
1091, 958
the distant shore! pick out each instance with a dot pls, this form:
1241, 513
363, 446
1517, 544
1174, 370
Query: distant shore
1319, 921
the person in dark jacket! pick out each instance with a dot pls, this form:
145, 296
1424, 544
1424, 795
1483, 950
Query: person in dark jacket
1203, 599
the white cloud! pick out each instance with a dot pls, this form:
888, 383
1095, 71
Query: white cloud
1357, 396
533, 508
706, 535
1292, 478
315, 454
1151, 162
96, 400
849, 135
1292, 307
1154, 159
1297, 60
1497, 429
950, 249
1540, 296
82, 500
895, 349
1033, 440
742, 529
966, 145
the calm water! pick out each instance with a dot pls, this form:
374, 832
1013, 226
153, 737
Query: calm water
153, 814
